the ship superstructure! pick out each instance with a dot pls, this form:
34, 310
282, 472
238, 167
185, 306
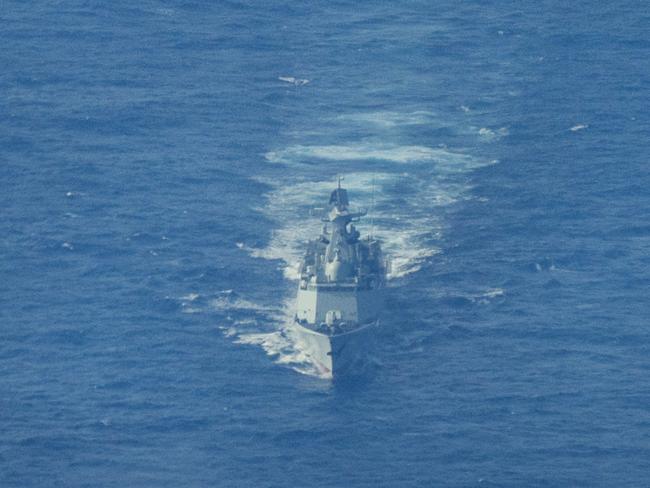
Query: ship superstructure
340, 294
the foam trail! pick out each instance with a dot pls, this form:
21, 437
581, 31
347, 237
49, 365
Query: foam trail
402, 217
388, 119
447, 161
283, 350
245, 321
403, 183
279, 344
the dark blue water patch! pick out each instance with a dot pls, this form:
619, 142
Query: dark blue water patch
17, 143
59, 443
66, 337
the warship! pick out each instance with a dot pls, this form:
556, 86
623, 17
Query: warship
340, 294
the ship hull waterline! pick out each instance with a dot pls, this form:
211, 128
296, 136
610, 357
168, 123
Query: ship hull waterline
338, 355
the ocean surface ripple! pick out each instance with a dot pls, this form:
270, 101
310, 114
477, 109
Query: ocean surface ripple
160, 161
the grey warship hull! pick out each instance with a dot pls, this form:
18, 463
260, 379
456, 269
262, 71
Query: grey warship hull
340, 355
340, 294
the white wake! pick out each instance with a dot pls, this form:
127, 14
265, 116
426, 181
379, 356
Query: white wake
402, 186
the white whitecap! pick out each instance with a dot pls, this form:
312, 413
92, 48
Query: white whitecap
293, 80
493, 293
489, 135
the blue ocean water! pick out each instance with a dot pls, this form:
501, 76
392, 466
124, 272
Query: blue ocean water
159, 160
